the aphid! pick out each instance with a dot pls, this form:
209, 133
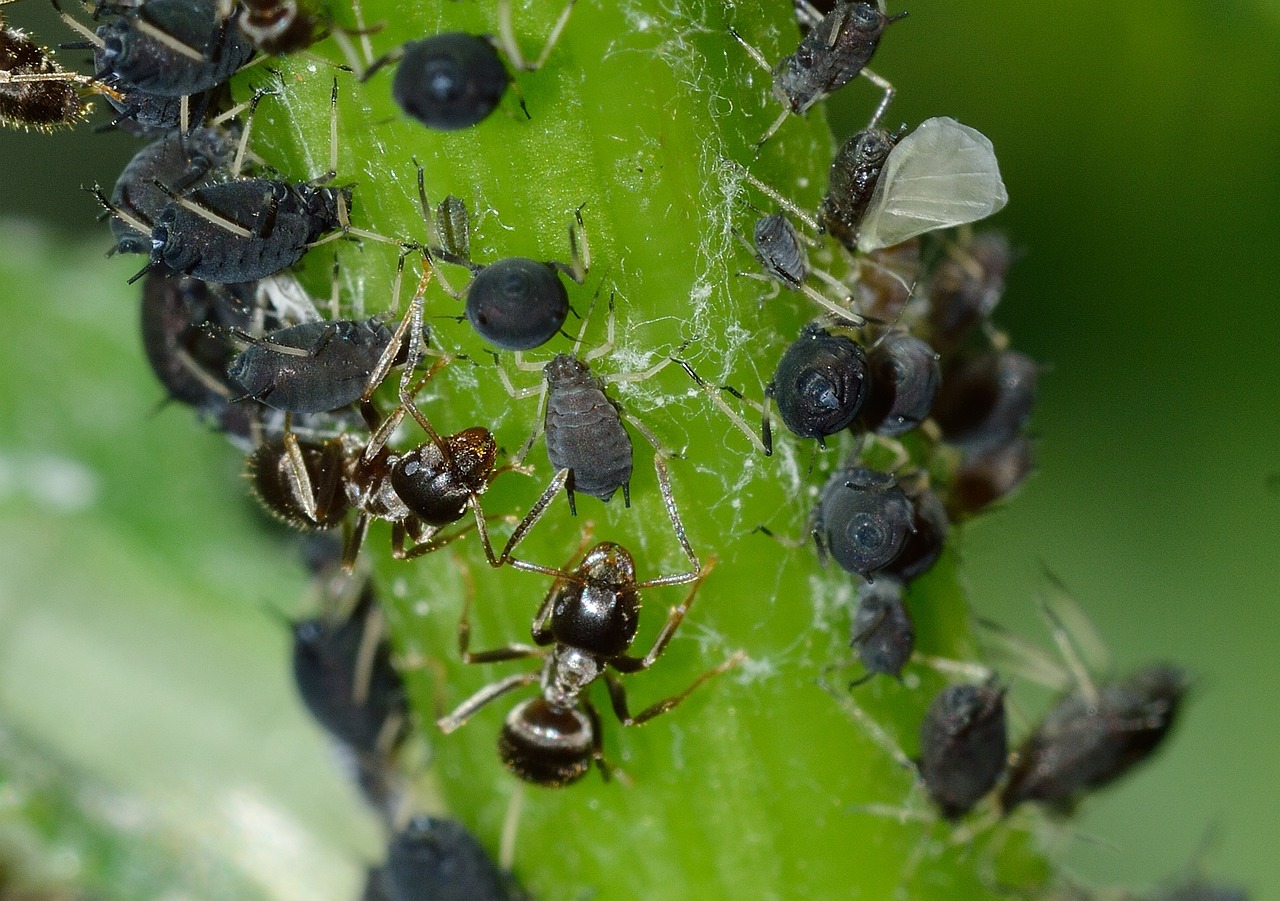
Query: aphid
588, 620
312, 367
583, 425
1094, 736
170, 48
965, 287
883, 635
941, 175
782, 255
280, 26
862, 520
984, 402
982, 479
924, 542
345, 678
196, 159
188, 359
834, 52
514, 303
455, 80
855, 172
963, 746
35, 92
819, 386
904, 375
436, 859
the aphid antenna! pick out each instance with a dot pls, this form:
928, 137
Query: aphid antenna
713, 394
1079, 672
776, 196
1083, 633
511, 828
1017, 655
509, 45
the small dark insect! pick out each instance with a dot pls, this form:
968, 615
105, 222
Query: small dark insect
188, 359
985, 478
345, 678
179, 163
314, 366
169, 48
925, 540
834, 52
245, 229
515, 303
1092, 737
852, 180
963, 746
965, 287
883, 635
862, 520
904, 376
782, 255
819, 386
280, 26
35, 92
299, 481
985, 401
455, 80
589, 621
434, 859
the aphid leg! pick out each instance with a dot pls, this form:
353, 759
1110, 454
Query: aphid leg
807, 14
161, 36
751, 51
855, 712
1084, 634
771, 130
626, 663
387, 59
618, 693
1079, 674
714, 396
673, 513
525, 525
219, 220
507, 37
520, 394
883, 85
1014, 654
772, 193
134, 222
83, 30
251, 105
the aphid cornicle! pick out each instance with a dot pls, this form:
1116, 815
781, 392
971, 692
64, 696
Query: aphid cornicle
584, 627
199, 50
963, 746
178, 162
264, 226
851, 182
819, 386
1087, 741
883, 635
861, 520
436, 859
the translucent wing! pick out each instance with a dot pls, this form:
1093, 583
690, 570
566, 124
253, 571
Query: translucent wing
942, 174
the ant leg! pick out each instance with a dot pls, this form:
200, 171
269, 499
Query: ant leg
625, 663
497, 655
455, 720
618, 694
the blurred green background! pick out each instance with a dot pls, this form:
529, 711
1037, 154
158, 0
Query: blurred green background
1140, 143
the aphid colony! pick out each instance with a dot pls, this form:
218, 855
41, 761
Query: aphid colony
903, 358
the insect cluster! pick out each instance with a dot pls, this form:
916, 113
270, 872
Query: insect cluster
902, 368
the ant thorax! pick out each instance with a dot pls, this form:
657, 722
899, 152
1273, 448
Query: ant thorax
567, 674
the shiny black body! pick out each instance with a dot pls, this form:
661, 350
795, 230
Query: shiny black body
517, 303
334, 372
283, 220
584, 431
851, 182
904, 375
133, 59
862, 520
820, 384
180, 163
963, 746
450, 81
1079, 747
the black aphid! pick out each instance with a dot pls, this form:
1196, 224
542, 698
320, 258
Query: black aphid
904, 374
982, 479
851, 182
965, 287
883, 635
1088, 740
584, 432
819, 386
179, 163
963, 746
924, 542
245, 229
862, 520
345, 677
836, 50
455, 80
170, 48
588, 621
435, 859
782, 256
314, 366
984, 402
